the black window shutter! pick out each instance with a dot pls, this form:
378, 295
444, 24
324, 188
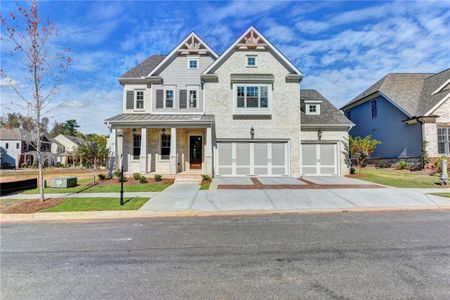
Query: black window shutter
159, 99
130, 99
183, 99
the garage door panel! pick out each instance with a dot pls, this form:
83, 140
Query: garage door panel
243, 154
260, 171
278, 154
309, 170
319, 159
327, 155
225, 154
225, 171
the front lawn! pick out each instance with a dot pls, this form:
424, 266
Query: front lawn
447, 195
96, 204
398, 178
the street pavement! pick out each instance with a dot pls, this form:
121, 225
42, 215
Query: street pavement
402, 255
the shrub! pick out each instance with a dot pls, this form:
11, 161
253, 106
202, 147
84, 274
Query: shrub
101, 176
143, 179
122, 179
206, 177
158, 177
352, 171
361, 149
117, 173
401, 165
136, 176
59, 165
384, 164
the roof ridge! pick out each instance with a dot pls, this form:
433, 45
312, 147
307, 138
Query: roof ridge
434, 74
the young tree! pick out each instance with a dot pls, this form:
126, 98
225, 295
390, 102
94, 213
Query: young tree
30, 36
70, 127
362, 148
93, 151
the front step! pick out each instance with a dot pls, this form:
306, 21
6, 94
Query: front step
188, 178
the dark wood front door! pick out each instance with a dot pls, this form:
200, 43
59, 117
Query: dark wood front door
195, 151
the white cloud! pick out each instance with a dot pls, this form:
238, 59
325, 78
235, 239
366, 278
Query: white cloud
312, 27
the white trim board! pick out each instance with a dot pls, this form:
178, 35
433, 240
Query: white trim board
441, 87
225, 54
438, 105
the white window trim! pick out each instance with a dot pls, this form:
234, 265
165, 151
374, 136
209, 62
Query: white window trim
255, 110
189, 60
132, 146
135, 100
160, 159
308, 105
193, 88
174, 90
256, 61
446, 144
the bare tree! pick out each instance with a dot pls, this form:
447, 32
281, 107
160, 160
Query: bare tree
45, 65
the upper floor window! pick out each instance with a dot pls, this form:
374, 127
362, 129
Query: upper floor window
251, 60
444, 140
192, 98
374, 109
139, 100
136, 146
169, 98
252, 98
312, 109
193, 63
165, 146
6, 145
17, 145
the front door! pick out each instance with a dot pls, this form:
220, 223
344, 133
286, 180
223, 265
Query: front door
195, 151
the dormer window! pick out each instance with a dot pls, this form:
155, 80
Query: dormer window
312, 108
251, 61
192, 63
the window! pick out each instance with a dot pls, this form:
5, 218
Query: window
7, 145
193, 63
251, 60
374, 109
165, 146
252, 97
444, 140
192, 98
136, 146
17, 145
169, 98
139, 100
312, 108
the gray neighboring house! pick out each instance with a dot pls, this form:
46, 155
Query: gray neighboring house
16, 148
403, 110
65, 148
194, 112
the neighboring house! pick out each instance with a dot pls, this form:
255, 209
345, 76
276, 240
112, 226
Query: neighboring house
402, 110
65, 148
235, 114
17, 149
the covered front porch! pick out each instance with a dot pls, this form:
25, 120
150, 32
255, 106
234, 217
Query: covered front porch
162, 144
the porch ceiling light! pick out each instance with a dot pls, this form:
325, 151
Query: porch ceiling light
134, 130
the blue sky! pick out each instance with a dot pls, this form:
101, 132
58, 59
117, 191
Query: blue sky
341, 47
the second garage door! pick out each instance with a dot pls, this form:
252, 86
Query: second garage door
252, 158
319, 159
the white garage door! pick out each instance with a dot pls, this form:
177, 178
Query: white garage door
319, 159
252, 158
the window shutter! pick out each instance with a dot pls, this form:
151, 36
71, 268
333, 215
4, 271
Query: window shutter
130, 99
183, 99
159, 99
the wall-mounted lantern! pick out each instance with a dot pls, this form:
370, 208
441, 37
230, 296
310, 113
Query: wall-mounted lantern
319, 134
252, 133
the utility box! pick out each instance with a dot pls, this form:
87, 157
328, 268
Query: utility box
63, 182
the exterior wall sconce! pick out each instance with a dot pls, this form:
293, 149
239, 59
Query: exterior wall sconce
134, 130
319, 134
252, 133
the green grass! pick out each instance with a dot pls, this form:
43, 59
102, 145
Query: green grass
402, 179
205, 186
83, 187
447, 195
97, 204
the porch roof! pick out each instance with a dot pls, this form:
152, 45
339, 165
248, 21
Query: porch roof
155, 120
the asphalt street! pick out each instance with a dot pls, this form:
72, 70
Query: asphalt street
395, 255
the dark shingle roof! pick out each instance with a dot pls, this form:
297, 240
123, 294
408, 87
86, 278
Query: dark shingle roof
329, 114
412, 92
144, 67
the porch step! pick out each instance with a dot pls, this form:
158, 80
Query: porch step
188, 178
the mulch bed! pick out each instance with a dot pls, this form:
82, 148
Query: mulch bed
30, 206
132, 181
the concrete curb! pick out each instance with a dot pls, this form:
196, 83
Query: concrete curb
105, 215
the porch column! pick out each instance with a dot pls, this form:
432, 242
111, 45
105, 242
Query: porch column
173, 150
119, 148
143, 155
208, 151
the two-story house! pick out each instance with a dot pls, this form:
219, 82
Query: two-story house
65, 149
404, 110
234, 114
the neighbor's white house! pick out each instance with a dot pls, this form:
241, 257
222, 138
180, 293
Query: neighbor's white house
65, 148
241, 113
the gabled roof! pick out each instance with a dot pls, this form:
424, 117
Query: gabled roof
252, 38
145, 67
74, 139
329, 114
410, 92
191, 44
14, 134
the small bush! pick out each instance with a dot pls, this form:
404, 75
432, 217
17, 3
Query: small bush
206, 177
384, 164
136, 176
122, 179
158, 177
117, 173
402, 165
59, 165
352, 171
143, 179
101, 176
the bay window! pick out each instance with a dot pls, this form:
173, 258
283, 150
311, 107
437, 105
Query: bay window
252, 98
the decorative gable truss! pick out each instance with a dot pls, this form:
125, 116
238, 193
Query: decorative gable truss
193, 46
251, 40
